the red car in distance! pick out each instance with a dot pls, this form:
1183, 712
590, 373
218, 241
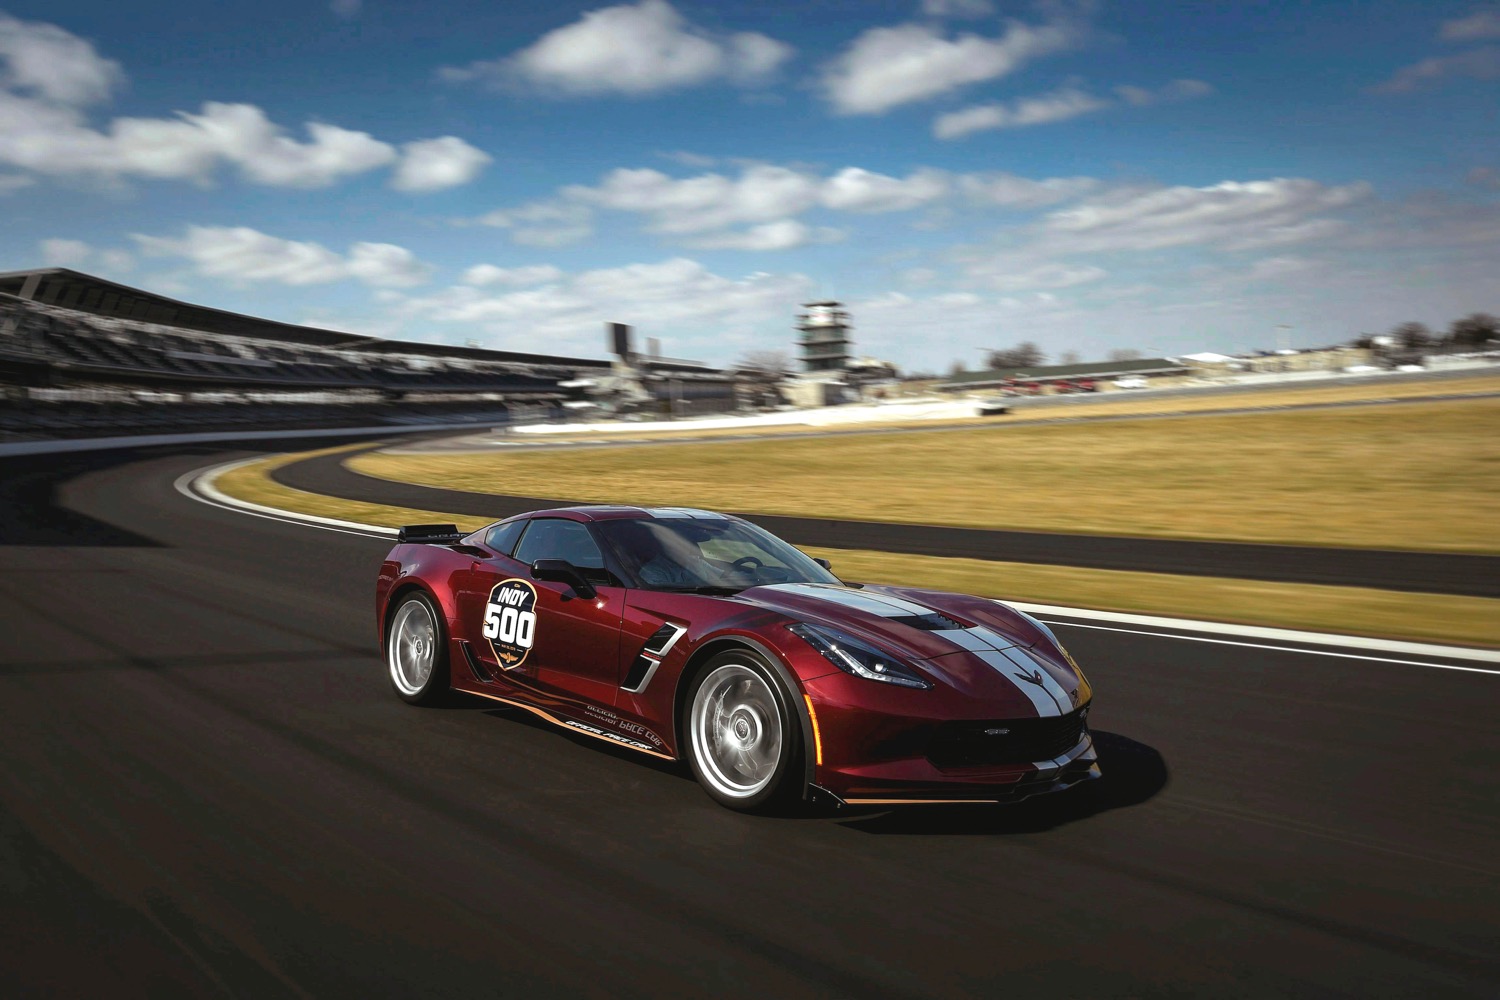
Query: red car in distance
685, 634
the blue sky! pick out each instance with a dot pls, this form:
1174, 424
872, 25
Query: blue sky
964, 174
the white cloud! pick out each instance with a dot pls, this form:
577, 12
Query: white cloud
1476, 64
887, 67
481, 275
1177, 90
855, 190
116, 261
680, 298
435, 164
11, 183
1279, 268
48, 77
757, 209
544, 223
762, 193
1057, 106
958, 8
632, 49
1012, 275
1233, 215
241, 254
65, 253
783, 234
1060, 105
1009, 191
346, 8
78, 254
44, 61
688, 159
1480, 25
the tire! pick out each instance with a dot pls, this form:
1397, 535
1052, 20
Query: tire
416, 651
743, 740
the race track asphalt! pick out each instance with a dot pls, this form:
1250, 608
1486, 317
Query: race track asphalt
207, 788
1428, 572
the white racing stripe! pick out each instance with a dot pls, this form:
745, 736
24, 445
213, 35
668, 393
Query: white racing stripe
1046, 706
875, 604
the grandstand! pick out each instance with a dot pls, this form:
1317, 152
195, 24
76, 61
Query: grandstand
80, 355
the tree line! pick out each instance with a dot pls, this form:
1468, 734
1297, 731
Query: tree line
1474, 330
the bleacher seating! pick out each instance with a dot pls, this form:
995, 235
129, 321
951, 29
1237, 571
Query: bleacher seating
74, 373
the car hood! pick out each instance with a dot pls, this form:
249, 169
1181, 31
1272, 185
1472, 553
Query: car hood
974, 645
916, 624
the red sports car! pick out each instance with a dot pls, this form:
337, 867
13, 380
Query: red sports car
683, 633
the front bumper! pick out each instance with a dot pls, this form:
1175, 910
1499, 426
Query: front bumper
875, 752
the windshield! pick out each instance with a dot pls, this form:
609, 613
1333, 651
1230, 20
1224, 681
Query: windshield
701, 554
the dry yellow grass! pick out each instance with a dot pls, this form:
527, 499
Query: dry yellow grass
1105, 404
252, 482
1418, 476
1442, 618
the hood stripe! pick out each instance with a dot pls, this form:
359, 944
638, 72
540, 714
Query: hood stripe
875, 604
1043, 702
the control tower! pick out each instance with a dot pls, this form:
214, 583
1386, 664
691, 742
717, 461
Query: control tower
825, 339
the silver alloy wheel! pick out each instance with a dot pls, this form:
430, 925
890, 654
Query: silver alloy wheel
412, 648
736, 731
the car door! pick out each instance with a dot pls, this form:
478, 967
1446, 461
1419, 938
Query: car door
569, 644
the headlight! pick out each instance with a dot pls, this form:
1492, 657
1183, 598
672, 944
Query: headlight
858, 658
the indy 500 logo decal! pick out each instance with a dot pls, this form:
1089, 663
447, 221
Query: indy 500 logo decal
510, 621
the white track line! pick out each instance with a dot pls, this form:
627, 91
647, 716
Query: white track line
199, 485
1292, 649
1265, 632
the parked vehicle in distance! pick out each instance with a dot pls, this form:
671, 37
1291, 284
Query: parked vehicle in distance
686, 634
1130, 382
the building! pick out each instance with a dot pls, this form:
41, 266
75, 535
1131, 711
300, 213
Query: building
1046, 378
825, 341
650, 383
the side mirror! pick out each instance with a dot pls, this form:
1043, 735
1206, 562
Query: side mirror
824, 563
562, 571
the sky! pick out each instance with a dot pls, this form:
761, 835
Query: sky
1159, 176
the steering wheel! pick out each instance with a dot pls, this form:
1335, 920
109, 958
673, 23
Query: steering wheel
748, 563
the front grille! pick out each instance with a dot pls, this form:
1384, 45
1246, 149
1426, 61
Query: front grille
968, 744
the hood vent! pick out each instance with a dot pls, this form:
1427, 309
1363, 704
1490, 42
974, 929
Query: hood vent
932, 622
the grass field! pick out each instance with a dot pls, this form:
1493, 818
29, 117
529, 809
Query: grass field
1443, 618
1420, 476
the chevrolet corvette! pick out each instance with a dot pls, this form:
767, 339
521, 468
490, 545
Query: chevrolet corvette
688, 635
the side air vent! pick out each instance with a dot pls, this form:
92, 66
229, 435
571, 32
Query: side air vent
933, 622
652, 653
475, 667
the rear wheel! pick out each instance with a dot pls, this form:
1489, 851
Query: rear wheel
744, 742
416, 651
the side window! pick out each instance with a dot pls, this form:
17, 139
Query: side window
556, 538
502, 537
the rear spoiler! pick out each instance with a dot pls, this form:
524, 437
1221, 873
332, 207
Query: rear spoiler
429, 534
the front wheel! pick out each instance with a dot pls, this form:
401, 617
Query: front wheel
416, 652
744, 742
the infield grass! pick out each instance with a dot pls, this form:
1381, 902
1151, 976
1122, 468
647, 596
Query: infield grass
1422, 476
1432, 617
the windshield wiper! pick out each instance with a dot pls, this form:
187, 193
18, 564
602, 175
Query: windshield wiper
704, 589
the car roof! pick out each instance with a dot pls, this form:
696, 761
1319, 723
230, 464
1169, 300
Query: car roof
618, 512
